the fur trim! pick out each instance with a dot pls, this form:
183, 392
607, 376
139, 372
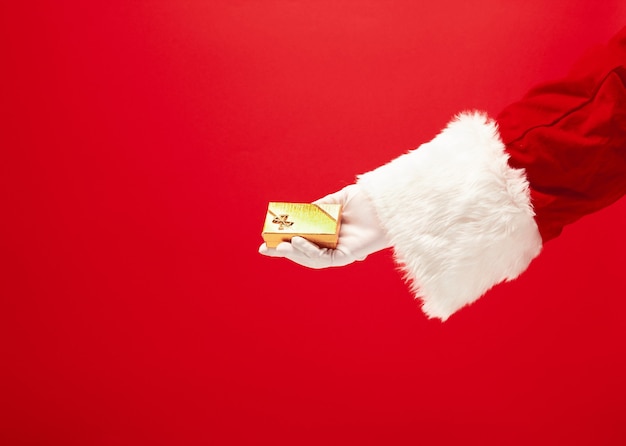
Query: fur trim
458, 216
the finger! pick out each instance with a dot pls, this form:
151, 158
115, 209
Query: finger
285, 249
282, 250
342, 196
334, 198
316, 257
291, 252
307, 248
339, 257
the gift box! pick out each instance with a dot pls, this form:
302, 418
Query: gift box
318, 223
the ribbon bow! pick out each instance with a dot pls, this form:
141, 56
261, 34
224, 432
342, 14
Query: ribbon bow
282, 221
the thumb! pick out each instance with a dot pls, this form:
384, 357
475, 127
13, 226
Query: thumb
338, 197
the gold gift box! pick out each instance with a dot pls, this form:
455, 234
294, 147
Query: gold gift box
318, 223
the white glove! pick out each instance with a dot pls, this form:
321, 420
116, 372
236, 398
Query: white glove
360, 234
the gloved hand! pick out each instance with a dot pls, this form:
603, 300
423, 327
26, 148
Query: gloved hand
359, 236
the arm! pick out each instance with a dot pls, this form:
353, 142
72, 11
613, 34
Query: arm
474, 206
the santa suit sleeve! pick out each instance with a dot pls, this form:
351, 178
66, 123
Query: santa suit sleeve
474, 206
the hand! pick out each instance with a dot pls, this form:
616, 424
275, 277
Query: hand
359, 236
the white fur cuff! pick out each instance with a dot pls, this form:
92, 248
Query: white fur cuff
458, 216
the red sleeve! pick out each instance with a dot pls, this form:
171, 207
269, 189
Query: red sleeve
570, 137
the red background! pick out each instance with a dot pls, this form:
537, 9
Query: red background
140, 144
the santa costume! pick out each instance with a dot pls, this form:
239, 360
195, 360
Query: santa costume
474, 206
